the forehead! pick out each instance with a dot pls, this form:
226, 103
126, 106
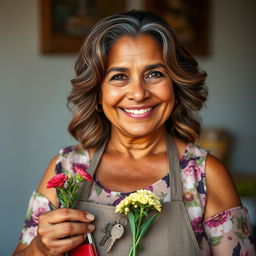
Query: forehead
127, 49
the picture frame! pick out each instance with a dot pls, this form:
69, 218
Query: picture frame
189, 19
65, 23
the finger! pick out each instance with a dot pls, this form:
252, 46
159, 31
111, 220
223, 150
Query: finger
67, 244
65, 229
66, 214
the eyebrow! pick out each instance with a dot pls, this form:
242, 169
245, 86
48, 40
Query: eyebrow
153, 66
117, 69
123, 69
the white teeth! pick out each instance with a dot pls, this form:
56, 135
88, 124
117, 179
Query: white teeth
137, 111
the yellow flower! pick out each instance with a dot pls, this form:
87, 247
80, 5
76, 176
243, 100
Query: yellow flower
140, 197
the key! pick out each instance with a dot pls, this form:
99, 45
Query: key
116, 232
107, 231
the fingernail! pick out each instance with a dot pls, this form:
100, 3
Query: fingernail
91, 226
89, 216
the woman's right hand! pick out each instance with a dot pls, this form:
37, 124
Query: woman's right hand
61, 230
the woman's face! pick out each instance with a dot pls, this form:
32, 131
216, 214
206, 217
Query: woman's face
137, 95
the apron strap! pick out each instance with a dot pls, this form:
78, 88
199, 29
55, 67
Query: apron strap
174, 167
85, 186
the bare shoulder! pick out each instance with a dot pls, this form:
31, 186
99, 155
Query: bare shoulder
42, 187
221, 191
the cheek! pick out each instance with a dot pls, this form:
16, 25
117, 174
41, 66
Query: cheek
111, 97
166, 93
168, 97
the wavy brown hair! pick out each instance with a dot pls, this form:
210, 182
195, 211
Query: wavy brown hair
89, 126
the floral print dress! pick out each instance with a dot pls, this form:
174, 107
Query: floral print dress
227, 233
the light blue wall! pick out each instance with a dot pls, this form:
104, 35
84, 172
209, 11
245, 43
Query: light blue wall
33, 90
33, 114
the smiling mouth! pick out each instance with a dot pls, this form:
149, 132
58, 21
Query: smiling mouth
137, 111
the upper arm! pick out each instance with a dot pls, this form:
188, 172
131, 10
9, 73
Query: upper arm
221, 191
42, 187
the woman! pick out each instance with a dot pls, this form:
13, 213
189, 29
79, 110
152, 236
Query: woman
135, 97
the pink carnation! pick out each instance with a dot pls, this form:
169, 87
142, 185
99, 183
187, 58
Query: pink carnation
57, 181
81, 170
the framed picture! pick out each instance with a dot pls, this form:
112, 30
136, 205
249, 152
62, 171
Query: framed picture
189, 20
65, 23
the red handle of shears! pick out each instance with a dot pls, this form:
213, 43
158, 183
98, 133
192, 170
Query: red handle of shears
84, 250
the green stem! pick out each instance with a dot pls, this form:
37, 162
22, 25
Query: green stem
137, 241
133, 248
134, 241
131, 251
139, 223
136, 236
74, 191
62, 192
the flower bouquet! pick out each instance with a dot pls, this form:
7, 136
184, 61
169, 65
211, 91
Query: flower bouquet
67, 186
137, 206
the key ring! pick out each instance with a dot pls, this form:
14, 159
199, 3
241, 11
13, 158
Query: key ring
122, 220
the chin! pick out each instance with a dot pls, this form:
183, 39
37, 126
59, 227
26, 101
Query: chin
139, 132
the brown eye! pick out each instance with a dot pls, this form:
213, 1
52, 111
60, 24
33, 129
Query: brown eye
119, 77
154, 74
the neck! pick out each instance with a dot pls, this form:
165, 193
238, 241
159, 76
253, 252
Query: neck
137, 147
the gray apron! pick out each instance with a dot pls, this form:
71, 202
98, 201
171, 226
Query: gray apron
170, 234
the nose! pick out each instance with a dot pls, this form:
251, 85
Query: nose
138, 91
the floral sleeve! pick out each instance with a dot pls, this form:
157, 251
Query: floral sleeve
230, 233
37, 204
